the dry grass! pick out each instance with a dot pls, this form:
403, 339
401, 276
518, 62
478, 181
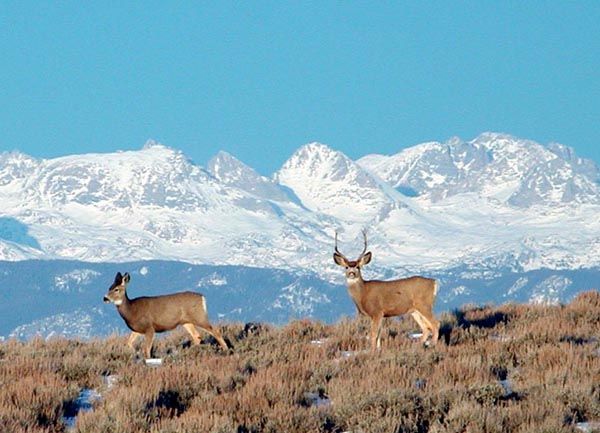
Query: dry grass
549, 355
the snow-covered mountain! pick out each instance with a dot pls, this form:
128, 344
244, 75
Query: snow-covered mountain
330, 183
431, 206
495, 205
152, 203
516, 172
232, 172
494, 199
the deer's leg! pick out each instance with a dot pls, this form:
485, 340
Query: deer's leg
375, 333
379, 333
191, 329
148, 339
434, 326
422, 324
215, 333
132, 339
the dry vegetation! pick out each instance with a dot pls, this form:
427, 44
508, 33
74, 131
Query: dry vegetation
549, 355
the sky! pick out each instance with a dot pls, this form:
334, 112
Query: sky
259, 79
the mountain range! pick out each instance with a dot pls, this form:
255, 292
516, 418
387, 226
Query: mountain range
496, 208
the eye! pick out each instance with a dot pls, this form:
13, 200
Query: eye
346, 267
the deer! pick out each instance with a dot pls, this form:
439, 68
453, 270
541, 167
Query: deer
148, 315
379, 299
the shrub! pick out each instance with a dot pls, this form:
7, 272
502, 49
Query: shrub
548, 355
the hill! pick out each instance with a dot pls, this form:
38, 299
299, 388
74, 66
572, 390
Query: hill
513, 368
64, 298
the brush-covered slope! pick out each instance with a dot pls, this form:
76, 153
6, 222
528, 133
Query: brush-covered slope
510, 369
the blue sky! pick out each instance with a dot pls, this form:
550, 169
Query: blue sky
259, 79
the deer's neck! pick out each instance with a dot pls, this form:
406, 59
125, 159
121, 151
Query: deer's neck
124, 309
356, 288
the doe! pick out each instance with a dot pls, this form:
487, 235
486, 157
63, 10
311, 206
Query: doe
379, 299
148, 315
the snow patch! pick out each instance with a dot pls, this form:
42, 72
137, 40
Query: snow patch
84, 403
300, 300
550, 291
516, 287
214, 279
588, 426
74, 280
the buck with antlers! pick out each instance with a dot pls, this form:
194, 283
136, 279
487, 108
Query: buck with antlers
379, 299
150, 314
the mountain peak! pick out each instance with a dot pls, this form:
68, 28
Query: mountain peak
155, 175
320, 159
151, 143
316, 150
230, 171
14, 154
583, 166
315, 145
493, 136
496, 165
160, 151
329, 182
222, 154
15, 165
454, 141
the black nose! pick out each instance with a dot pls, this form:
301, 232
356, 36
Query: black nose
106, 300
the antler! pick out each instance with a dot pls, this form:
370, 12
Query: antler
336, 247
364, 232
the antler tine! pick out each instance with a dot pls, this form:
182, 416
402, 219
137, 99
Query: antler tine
364, 232
336, 247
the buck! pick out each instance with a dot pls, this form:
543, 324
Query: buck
148, 315
380, 299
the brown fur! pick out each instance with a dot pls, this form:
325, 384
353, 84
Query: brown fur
380, 299
147, 315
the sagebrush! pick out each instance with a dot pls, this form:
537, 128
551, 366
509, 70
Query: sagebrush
513, 368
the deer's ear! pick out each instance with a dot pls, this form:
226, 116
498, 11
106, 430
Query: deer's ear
339, 260
126, 278
364, 260
118, 278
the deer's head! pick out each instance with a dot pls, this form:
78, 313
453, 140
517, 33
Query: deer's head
352, 267
116, 292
